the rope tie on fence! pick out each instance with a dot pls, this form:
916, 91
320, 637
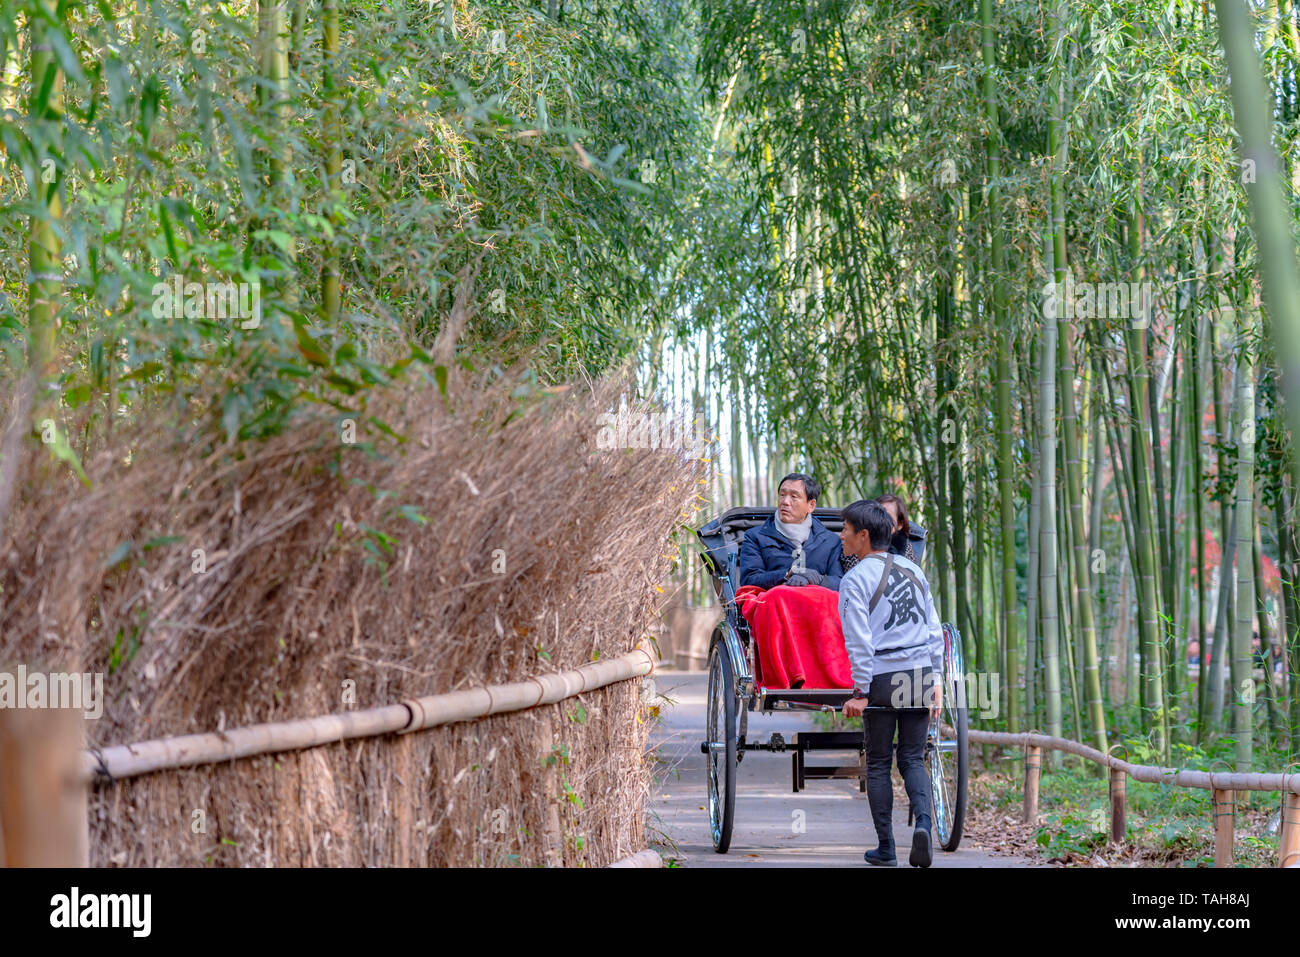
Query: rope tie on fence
101, 769
1036, 762
1220, 765
1287, 775
541, 689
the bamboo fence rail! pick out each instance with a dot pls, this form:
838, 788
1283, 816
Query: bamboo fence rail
646, 858
414, 714
1223, 785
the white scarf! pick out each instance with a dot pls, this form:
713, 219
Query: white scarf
797, 534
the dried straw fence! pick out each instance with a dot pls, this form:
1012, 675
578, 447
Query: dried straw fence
475, 540
1224, 786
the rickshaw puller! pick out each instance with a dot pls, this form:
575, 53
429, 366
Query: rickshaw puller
885, 640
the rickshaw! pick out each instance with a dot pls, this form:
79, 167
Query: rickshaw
733, 693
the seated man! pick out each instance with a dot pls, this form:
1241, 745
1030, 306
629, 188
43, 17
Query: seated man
789, 575
792, 547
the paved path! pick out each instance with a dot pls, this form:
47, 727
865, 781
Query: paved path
837, 821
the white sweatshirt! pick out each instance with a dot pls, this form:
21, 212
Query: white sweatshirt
903, 632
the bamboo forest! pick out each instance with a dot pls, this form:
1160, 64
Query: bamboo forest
322, 323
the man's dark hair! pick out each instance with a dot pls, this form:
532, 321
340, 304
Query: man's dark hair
872, 518
811, 489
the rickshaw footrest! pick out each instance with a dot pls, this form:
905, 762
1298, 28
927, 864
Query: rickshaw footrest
805, 741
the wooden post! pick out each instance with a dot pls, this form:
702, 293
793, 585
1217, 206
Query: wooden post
1033, 761
42, 798
1223, 825
1288, 848
1117, 823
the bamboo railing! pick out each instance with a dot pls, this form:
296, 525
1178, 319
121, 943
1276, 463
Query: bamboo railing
1223, 785
414, 714
646, 858
44, 776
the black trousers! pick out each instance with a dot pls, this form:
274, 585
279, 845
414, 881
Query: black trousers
879, 728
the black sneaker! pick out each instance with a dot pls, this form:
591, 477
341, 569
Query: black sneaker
880, 858
920, 856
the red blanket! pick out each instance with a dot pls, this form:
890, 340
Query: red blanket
799, 636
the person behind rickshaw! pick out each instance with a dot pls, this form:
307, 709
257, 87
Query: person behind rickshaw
900, 543
893, 636
792, 547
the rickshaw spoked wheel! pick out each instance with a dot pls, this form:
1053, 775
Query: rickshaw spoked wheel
946, 752
721, 756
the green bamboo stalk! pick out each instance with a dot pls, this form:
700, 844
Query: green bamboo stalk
1167, 496
1155, 714
1032, 582
1265, 637
274, 37
1097, 479
11, 67
1223, 615
1067, 615
1047, 557
1244, 697
1125, 495
1080, 577
1224, 412
942, 533
275, 68
1213, 691
956, 508
1252, 109
1002, 372
977, 521
1123, 664
1290, 577
331, 297
1197, 483
737, 447
1122, 468
298, 21
1184, 557
45, 250
1163, 534
1047, 390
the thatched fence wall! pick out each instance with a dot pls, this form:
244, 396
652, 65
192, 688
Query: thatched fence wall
337, 567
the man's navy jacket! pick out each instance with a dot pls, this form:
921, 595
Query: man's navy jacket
766, 555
